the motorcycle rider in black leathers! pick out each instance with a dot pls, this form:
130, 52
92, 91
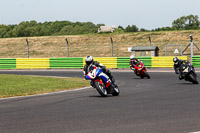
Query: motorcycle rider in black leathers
89, 61
180, 66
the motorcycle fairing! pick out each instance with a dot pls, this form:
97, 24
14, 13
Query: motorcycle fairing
105, 79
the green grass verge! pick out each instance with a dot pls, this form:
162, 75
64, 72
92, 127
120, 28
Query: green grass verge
19, 85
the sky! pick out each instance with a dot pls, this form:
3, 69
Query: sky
148, 14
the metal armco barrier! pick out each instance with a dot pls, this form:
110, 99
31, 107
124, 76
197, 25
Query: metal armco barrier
164, 61
196, 61
7, 63
36, 63
109, 62
66, 63
79, 62
123, 62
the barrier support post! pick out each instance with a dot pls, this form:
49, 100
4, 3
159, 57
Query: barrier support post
191, 46
111, 45
67, 47
27, 48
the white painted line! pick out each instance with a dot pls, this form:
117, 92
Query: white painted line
195, 132
57, 92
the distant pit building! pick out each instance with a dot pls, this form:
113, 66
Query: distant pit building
138, 51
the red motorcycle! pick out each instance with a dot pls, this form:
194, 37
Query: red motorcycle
140, 70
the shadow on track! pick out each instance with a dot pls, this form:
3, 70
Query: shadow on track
188, 83
140, 78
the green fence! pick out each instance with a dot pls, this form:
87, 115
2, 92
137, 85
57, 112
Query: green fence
66, 62
7, 63
196, 61
123, 62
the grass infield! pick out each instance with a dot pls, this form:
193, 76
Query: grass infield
20, 85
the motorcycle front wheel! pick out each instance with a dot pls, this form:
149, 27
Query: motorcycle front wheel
193, 78
101, 89
146, 75
115, 91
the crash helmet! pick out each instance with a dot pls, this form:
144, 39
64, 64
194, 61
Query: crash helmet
175, 59
88, 60
132, 57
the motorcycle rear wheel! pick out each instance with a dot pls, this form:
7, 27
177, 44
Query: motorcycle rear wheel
101, 89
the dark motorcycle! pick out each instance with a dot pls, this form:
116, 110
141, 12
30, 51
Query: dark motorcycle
189, 74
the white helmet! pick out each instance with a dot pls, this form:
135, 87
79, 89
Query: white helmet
132, 57
88, 60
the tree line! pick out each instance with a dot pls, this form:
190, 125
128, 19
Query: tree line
190, 22
33, 28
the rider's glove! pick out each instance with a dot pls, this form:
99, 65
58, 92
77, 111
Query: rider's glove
132, 68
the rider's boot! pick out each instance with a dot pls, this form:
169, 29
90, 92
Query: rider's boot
112, 79
92, 84
181, 76
136, 72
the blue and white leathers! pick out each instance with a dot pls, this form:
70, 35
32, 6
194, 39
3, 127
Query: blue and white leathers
97, 72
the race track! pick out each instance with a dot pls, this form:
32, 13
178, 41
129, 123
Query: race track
162, 104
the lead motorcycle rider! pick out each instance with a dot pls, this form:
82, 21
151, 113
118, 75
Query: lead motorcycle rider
89, 60
180, 66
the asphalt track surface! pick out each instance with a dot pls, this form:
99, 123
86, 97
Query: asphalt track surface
162, 104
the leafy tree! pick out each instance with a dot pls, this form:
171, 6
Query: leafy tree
186, 23
121, 27
132, 28
99, 25
192, 22
3, 30
119, 30
67, 30
143, 30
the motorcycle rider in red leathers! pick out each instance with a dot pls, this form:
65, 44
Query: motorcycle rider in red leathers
135, 64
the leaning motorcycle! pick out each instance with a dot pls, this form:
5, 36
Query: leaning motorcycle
101, 82
189, 74
141, 71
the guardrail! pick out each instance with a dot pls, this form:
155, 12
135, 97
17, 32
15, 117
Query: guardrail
79, 62
66, 63
36, 63
196, 61
7, 63
123, 62
165, 61
109, 62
